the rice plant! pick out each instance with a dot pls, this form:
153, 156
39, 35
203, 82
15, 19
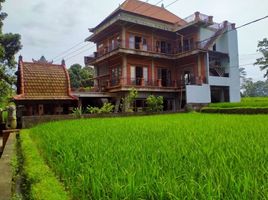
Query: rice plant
179, 156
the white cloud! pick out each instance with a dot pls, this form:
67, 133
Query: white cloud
50, 27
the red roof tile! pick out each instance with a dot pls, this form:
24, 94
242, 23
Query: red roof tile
41, 81
152, 11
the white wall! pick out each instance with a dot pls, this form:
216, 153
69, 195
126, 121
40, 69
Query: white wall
226, 43
234, 67
198, 93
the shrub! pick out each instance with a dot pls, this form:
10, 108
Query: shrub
92, 110
241, 110
106, 108
77, 112
127, 103
154, 104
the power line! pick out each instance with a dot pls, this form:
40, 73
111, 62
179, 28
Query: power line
172, 3
62, 53
246, 24
128, 27
79, 53
243, 25
75, 51
254, 21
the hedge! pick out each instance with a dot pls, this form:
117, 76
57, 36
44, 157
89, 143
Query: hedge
237, 110
42, 182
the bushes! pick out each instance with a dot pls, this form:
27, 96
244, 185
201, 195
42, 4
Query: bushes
128, 101
241, 110
106, 108
39, 177
154, 104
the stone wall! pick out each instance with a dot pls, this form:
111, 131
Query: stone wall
30, 121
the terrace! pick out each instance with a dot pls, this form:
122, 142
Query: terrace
106, 84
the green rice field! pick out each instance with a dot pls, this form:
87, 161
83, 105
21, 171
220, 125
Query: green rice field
178, 156
246, 102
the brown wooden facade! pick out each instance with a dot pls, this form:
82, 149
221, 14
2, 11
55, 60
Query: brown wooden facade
152, 57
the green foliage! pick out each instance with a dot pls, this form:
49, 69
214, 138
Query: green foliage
254, 89
248, 105
198, 156
81, 76
127, 102
77, 112
154, 104
236, 110
93, 110
43, 183
106, 108
263, 61
9, 46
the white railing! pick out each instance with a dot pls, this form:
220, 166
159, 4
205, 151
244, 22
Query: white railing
190, 18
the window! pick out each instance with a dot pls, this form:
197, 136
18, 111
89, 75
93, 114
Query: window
137, 42
131, 41
144, 44
112, 44
187, 77
157, 46
137, 74
164, 75
214, 47
188, 44
163, 47
115, 75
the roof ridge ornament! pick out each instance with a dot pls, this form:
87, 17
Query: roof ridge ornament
42, 60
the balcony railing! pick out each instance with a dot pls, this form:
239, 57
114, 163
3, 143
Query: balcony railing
105, 84
197, 16
148, 48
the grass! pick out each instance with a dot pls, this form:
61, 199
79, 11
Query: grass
41, 182
247, 102
186, 156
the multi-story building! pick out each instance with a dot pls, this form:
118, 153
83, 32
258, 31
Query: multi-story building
191, 60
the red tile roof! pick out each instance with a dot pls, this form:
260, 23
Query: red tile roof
147, 10
152, 11
43, 81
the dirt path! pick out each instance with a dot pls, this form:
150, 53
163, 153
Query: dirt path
6, 169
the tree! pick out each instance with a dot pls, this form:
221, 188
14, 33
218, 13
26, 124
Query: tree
80, 76
255, 89
263, 61
9, 46
243, 73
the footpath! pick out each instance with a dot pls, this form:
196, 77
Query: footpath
6, 168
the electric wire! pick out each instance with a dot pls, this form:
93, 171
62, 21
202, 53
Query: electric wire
246, 24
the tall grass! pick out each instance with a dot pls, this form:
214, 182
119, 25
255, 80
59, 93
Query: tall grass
187, 156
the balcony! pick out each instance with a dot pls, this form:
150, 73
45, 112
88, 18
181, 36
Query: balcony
117, 84
144, 50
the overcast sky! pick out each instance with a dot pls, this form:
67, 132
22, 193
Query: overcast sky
50, 27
